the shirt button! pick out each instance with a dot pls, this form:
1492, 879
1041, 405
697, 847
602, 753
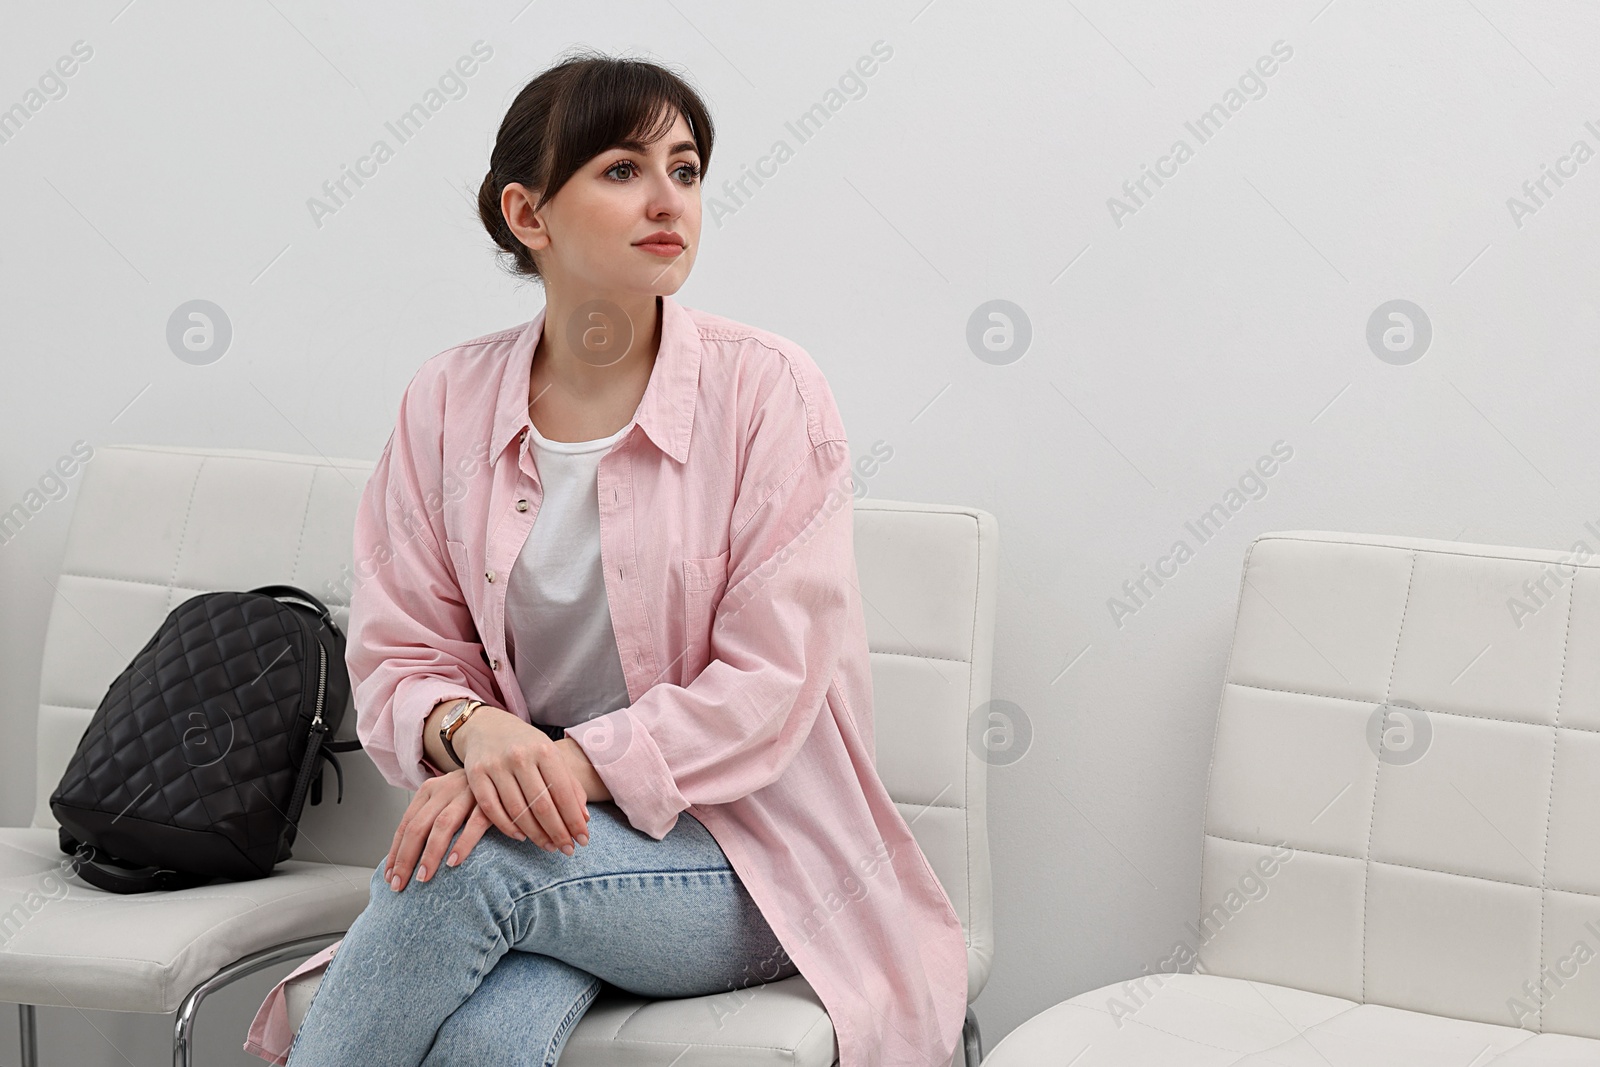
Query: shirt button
494, 664
489, 575
522, 505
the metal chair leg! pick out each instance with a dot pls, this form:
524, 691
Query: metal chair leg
971, 1040
183, 1028
29, 1025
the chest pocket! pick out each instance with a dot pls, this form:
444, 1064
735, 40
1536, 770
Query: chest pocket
704, 581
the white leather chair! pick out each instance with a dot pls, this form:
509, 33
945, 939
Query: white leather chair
151, 528
1435, 904
156, 525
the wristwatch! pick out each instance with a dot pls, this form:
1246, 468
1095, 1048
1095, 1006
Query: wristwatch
453, 719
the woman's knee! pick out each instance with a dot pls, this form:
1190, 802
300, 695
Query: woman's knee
497, 862
492, 857
499, 859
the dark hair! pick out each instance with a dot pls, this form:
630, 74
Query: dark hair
571, 113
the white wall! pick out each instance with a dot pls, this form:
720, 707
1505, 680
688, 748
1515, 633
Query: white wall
1170, 349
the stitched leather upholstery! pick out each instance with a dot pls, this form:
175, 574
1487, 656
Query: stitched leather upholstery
1434, 905
150, 528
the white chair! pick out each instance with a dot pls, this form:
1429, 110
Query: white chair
155, 525
1401, 860
151, 528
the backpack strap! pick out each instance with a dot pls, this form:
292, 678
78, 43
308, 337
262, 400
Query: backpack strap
105, 871
316, 783
295, 593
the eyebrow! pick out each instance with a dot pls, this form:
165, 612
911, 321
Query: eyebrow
633, 144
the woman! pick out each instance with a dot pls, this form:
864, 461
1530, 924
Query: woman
626, 529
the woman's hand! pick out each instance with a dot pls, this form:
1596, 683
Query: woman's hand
533, 765
526, 784
431, 820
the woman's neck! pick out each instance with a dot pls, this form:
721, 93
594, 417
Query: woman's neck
592, 365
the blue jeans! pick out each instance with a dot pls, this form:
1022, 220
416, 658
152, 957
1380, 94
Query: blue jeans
495, 961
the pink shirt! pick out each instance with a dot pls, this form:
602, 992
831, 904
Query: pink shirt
726, 524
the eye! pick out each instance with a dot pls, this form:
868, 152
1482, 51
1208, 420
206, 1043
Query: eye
693, 170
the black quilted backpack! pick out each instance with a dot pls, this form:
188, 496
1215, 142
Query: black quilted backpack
198, 761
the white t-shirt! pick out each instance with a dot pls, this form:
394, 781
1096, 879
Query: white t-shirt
558, 622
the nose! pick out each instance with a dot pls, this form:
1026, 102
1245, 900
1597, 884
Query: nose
666, 197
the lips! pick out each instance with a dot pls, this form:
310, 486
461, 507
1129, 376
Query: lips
662, 244
662, 237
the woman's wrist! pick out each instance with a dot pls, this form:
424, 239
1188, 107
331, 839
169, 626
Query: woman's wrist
594, 787
432, 746
577, 760
462, 738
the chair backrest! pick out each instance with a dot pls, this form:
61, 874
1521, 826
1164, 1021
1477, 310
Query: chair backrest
1404, 806
156, 525
928, 577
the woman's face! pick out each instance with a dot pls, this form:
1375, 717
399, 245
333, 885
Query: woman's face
594, 234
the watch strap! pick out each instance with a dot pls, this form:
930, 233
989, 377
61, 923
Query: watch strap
447, 734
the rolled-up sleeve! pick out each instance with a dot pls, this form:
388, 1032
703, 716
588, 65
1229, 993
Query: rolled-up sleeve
775, 642
412, 641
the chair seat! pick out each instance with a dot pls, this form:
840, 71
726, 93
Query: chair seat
1204, 1020
783, 1022
55, 932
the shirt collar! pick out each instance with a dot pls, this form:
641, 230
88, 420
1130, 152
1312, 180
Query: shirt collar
665, 412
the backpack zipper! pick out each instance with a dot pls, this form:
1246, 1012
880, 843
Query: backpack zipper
322, 682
